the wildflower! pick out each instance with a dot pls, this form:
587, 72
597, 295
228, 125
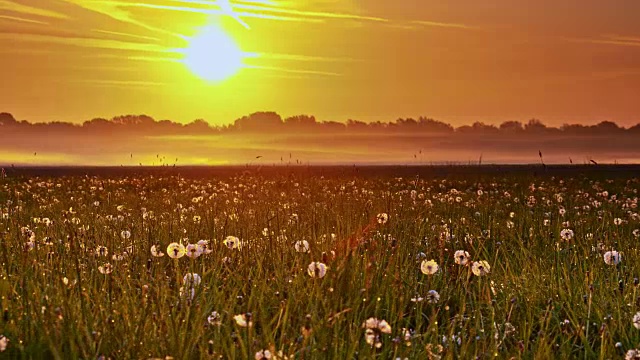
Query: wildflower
125, 234
243, 320
191, 280
480, 268
105, 269
118, 257
187, 294
374, 329
382, 218
197, 219
433, 297
4, 342
454, 339
193, 251
636, 320
510, 224
29, 245
214, 319
176, 250
232, 242
632, 354
636, 233
204, 246
429, 267
461, 257
417, 299
302, 246
407, 334
509, 329
317, 269
566, 234
102, 251
617, 221
155, 252
263, 355
612, 257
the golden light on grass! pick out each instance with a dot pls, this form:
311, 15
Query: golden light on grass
212, 55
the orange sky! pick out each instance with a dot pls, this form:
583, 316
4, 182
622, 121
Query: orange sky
492, 60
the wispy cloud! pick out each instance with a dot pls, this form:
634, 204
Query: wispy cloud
216, 11
296, 57
608, 40
117, 33
20, 19
117, 83
293, 71
87, 42
113, 10
251, 9
443, 24
30, 10
312, 14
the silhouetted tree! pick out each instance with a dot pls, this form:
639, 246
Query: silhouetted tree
511, 126
259, 121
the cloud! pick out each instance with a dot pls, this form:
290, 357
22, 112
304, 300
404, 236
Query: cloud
215, 11
112, 9
140, 37
608, 40
117, 83
87, 42
294, 57
444, 24
16, 18
293, 71
29, 10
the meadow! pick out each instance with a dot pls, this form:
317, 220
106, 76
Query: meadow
320, 264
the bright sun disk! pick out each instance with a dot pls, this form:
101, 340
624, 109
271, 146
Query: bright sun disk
213, 55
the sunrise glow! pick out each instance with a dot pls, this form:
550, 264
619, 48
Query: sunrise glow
212, 55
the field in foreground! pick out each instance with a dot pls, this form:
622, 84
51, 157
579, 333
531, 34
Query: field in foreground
291, 264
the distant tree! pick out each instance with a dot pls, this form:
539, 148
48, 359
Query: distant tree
576, 129
301, 121
511, 126
198, 126
332, 126
634, 129
435, 126
356, 125
477, 128
608, 127
259, 121
6, 119
535, 125
130, 120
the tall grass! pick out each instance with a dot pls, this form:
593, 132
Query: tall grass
545, 296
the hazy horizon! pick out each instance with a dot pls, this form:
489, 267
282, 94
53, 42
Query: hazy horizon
265, 138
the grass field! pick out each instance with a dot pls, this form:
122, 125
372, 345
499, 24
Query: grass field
340, 263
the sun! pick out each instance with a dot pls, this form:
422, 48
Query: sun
212, 55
